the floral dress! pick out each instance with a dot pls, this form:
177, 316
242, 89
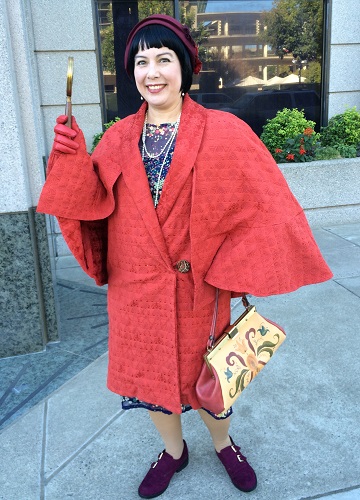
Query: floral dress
160, 144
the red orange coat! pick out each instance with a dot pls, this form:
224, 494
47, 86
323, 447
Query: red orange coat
225, 207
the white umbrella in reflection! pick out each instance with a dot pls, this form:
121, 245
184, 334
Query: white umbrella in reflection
275, 80
292, 79
249, 81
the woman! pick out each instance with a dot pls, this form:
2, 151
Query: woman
218, 214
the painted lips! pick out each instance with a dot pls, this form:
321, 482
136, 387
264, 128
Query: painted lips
155, 88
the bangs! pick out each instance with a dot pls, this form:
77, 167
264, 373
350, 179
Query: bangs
156, 36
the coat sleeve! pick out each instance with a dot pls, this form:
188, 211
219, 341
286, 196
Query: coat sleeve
268, 247
78, 191
87, 241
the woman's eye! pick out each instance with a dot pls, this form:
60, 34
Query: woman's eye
140, 63
165, 59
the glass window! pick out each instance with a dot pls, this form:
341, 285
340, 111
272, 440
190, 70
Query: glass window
305, 99
261, 52
274, 100
116, 19
246, 46
250, 50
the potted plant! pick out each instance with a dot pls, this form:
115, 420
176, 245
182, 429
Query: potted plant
291, 138
329, 191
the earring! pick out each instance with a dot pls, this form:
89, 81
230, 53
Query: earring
182, 94
141, 97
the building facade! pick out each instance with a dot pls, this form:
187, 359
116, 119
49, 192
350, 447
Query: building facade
36, 38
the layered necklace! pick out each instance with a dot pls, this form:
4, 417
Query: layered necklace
164, 150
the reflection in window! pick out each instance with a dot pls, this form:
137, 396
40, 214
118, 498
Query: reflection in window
252, 48
245, 46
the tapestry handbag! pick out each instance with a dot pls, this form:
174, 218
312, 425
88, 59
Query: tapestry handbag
236, 358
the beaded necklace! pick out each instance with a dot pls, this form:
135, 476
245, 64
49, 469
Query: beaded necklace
168, 142
167, 147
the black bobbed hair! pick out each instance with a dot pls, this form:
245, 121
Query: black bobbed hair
158, 36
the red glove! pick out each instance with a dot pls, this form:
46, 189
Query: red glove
64, 136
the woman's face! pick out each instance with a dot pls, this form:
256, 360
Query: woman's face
158, 77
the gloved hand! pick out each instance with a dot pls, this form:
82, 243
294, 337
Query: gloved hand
64, 136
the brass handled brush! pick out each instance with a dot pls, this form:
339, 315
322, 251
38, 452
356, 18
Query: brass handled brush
69, 82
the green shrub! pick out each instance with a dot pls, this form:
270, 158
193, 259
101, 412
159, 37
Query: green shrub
346, 151
98, 136
342, 129
287, 124
326, 153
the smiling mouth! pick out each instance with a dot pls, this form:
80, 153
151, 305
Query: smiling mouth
155, 88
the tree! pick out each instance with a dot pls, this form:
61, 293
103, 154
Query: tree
200, 32
295, 26
107, 48
312, 73
107, 44
147, 8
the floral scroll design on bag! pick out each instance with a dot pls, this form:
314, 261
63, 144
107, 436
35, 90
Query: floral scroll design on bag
250, 359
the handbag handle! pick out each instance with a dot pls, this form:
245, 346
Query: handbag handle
211, 341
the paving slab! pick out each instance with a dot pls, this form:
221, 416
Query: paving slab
341, 253
350, 232
31, 379
26, 380
21, 455
344, 495
74, 274
76, 413
351, 284
66, 261
329, 237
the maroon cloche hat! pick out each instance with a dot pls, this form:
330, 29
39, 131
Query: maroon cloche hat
176, 27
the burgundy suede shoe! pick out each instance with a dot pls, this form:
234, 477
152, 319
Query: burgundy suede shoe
160, 473
241, 473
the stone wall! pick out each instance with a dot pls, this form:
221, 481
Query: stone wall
27, 300
344, 81
329, 191
62, 29
36, 38
58, 34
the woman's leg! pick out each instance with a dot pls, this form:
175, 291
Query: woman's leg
173, 460
219, 430
240, 471
169, 428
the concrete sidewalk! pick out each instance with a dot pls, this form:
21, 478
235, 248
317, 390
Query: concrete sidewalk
298, 422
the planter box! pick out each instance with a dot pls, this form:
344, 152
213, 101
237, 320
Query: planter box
328, 190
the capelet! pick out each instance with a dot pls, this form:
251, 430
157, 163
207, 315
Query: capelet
248, 232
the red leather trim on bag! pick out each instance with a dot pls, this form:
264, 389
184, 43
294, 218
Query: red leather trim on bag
208, 391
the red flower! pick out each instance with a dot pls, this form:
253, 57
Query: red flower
302, 151
308, 131
290, 156
278, 150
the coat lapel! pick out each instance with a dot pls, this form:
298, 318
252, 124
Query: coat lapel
188, 142
137, 182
